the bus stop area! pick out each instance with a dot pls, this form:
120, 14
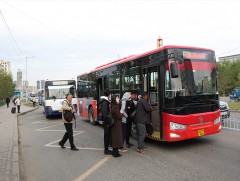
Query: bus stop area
9, 160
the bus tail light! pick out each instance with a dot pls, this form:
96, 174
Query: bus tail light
176, 126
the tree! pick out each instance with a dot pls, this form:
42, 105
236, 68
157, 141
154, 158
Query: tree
6, 85
228, 76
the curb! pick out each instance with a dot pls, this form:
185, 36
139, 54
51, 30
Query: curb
15, 151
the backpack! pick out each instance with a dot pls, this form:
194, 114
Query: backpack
100, 116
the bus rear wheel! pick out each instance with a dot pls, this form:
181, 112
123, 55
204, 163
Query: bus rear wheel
91, 116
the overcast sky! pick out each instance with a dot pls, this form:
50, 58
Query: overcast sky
65, 38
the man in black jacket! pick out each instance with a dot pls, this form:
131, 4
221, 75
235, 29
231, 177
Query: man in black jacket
141, 119
104, 109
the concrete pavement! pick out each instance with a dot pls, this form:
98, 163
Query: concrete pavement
9, 150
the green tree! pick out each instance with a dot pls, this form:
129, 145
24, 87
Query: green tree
228, 76
6, 85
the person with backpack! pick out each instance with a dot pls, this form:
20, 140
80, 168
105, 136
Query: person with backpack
68, 107
104, 110
125, 98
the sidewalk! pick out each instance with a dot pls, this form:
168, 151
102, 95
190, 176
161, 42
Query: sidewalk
9, 161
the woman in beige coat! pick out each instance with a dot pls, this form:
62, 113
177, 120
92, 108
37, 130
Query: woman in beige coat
67, 106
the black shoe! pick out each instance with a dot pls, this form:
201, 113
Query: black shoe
62, 146
118, 155
107, 152
74, 149
129, 145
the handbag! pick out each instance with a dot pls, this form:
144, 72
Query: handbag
111, 120
149, 129
133, 114
68, 116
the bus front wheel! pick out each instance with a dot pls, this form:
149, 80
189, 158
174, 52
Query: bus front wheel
91, 116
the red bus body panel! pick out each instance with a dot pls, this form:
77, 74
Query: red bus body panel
84, 105
193, 122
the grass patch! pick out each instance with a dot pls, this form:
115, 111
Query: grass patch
234, 105
2, 103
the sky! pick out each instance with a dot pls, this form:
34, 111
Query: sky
64, 38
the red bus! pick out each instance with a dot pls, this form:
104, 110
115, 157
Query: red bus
182, 86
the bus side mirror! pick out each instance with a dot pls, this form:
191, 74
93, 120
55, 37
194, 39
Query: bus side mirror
174, 70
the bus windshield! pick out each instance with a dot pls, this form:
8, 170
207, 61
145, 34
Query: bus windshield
197, 74
60, 92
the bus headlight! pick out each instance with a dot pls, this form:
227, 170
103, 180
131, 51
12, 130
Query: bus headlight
176, 126
48, 108
217, 120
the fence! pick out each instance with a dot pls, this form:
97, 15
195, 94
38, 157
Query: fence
232, 122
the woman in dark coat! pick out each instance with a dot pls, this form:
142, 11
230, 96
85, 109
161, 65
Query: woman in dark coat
116, 140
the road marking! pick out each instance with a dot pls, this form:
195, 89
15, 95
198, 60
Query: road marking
48, 127
56, 141
41, 121
93, 169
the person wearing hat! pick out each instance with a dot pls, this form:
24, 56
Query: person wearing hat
67, 106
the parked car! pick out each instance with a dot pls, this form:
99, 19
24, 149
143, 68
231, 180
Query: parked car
235, 95
225, 111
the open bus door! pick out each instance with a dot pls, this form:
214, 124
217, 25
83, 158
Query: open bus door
151, 85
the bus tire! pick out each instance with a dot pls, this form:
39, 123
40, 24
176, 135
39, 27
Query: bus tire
91, 116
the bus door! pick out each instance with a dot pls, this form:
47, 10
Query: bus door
101, 86
150, 85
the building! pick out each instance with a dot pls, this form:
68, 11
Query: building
5, 66
19, 78
25, 83
230, 58
40, 84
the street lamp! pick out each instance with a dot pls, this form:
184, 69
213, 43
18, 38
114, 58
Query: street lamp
26, 83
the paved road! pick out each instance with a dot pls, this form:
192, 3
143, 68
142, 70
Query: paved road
215, 157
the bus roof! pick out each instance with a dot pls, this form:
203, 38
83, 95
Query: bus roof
134, 57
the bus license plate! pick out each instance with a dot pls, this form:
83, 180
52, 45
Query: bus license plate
60, 110
201, 132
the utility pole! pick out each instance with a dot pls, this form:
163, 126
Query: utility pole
26, 83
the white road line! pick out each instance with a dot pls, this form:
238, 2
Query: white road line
93, 169
41, 121
50, 144
49, 127
80, 148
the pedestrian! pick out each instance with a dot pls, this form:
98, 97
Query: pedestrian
14, 101
18, 103
105, 110
130, 108
125, 98
116, 130
7, 101
141, 119
67, 106
34, 101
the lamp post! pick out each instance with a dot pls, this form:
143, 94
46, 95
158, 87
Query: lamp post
26, 83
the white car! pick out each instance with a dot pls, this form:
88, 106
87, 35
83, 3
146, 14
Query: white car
225, 111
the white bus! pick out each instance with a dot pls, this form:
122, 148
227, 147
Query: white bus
55, 92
